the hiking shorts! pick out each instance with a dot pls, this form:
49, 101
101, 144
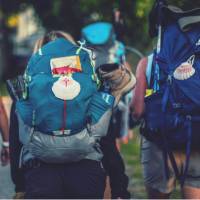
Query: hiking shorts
154, 168
78, 180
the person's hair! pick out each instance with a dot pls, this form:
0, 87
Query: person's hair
52, 35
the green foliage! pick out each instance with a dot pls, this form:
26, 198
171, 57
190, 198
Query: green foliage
3, 90
72, 15
142, 8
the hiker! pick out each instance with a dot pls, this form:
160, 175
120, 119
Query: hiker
79, 168
5, 134
17, 174
15, 147
110, 53
14, 83
169, 151
15, 86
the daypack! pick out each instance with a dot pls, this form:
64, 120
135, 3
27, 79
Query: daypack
172, 111
100, 37
62, 111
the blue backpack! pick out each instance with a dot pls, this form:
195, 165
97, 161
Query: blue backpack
60, 82
172, 112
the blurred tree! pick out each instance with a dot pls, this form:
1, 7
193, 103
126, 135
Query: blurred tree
8, 21
72, 15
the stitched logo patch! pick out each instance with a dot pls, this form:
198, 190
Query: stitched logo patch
65, 65
184, 71
66, 88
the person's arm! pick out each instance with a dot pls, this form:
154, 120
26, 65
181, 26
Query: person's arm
140, 88
5, 134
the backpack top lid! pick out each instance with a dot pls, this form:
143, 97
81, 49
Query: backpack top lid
177, 48
184, 18
176, 12
98, 33
164, 14
58, 46
40, 61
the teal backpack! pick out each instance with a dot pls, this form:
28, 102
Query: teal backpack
60, 83
62, 115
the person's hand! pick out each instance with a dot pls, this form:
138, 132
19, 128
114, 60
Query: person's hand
5, 156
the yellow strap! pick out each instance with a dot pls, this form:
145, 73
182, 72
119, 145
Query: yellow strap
149, 92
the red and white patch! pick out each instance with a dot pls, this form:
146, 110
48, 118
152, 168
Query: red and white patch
65, 65
184, 71
66, 88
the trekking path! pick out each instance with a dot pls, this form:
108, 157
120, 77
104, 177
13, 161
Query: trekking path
6, 185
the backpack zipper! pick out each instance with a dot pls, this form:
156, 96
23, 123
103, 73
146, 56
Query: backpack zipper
64, 116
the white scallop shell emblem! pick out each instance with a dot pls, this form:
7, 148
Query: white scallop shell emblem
66, 88
184, 71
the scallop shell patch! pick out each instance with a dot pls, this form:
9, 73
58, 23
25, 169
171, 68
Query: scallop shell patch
66, 88
184, 71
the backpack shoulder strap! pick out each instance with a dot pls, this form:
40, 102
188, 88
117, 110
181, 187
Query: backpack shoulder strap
149, 69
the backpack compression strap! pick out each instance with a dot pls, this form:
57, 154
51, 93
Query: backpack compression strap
90, 53
149, 69
186, 21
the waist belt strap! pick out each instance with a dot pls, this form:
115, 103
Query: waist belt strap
168, 152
